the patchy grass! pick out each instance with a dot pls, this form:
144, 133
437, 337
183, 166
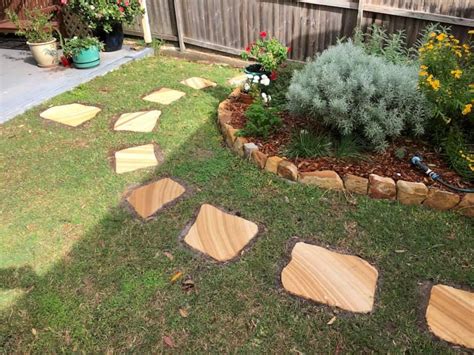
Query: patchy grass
77, 272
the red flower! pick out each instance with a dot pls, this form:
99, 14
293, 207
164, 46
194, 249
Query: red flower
121, 9
273, 75
263, 34
288, 49
247, 49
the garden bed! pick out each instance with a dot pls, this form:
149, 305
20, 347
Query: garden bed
386, 163
380, 175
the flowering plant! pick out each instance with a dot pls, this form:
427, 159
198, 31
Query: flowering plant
256, 86
74, 46
446, 76
268, 52
104, 13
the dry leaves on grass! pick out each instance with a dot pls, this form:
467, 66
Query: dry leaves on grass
169, 342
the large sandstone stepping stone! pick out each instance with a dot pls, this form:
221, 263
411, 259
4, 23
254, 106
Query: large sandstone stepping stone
237, 80
148, 199
71, 115
218, 234
450, 315
198, 83
143, 121
135, 158
164, 96
324, 276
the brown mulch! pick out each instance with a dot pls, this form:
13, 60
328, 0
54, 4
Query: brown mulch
383, 164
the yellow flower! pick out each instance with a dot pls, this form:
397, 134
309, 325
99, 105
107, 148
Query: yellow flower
441, 37
456, 73
471, 32
423, 67
423, 73
432, 34
467, 109
435, 84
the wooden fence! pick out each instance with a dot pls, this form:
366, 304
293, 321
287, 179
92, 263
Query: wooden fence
307, 26
18, 6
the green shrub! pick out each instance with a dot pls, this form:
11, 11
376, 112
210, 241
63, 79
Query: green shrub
305, 144
278, 88
348, 147
261, 120
458, 154
376, 41
351, 92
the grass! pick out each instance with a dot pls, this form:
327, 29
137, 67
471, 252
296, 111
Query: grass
79, 273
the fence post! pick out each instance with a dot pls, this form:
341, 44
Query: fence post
360, 13
179, 25
146, 23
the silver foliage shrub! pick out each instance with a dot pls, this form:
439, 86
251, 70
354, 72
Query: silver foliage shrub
352, 92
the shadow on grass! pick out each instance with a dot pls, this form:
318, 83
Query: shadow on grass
118, 267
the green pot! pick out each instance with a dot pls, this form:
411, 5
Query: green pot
87, 58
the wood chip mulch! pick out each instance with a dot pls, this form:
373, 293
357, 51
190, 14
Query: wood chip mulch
383, 164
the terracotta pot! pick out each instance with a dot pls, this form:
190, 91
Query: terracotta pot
45, 54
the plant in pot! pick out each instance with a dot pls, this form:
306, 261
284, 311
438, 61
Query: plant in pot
105, 18
38, 30
269, 53
85, 52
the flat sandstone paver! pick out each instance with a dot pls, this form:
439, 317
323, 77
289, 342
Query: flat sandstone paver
143, 121
237, 80
135, 158
71, 115
148, 199
218, 234
450, 315
198, 83
335, 279
164, 96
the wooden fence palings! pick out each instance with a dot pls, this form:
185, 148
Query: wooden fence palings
308, 26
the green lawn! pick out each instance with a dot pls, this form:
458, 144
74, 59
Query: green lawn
78, 272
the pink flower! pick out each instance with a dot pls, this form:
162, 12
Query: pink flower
127, 3
263, 34
63, 2
121, 9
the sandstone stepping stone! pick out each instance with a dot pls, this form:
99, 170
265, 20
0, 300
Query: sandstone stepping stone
164, 96
148, 199
218, 234
237, 80
450, 315
198, 83
143, 121
324, 276
71, 115
135, 158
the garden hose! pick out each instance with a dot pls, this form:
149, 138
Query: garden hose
417, 161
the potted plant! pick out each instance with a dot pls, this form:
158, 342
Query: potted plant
85, 52
269, 53
38, 30
106, 17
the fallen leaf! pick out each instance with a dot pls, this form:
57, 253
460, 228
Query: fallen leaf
34, 331
399, 251
169, 255
168, 341
183, 312
176, 276
333, 319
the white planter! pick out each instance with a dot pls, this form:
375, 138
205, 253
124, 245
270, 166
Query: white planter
45, 54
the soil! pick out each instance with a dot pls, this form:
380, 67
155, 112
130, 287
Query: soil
384, 164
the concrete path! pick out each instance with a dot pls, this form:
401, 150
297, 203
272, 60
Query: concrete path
23, 85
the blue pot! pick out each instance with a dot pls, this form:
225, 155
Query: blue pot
87, 58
